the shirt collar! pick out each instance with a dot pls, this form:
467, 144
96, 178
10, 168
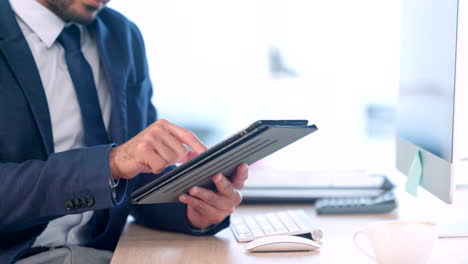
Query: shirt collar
45, 24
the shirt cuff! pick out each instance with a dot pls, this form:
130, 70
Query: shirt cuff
113, 185
118, 187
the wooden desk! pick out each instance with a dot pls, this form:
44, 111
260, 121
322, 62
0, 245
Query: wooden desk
143, 245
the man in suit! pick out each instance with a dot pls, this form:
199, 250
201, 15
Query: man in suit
78, 133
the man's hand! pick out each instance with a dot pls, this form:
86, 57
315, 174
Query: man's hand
153, 149
205, 207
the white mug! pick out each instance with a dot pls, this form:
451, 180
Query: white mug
400, 242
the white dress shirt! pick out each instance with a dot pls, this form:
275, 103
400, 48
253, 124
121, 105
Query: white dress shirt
41, 27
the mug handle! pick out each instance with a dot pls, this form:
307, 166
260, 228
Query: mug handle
355, 236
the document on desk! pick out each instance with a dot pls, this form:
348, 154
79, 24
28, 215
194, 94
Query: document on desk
249, 145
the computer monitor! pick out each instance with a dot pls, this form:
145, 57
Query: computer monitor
432, 110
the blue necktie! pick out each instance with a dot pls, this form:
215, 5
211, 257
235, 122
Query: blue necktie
85, 88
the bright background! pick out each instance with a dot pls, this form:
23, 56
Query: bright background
219, 65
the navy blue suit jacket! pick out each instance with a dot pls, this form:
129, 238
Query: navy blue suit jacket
37, 185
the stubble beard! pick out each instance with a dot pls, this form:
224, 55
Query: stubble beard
64, 8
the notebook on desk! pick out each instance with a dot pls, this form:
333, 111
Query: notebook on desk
251, 144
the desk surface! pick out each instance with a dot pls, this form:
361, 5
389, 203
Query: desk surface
143, 245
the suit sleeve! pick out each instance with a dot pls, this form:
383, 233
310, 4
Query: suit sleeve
35, 191
173, 216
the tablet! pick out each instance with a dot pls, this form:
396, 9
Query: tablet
249, 145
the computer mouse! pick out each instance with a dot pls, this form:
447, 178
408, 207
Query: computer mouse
282, 243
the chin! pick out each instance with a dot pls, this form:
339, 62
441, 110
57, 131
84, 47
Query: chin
81, 13
84, 16
85, 20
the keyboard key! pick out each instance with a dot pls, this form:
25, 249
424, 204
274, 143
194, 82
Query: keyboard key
276, 223
245, 235
298, 220
254, 227
264, 224
290, 225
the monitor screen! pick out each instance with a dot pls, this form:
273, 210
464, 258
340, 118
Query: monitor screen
427, 74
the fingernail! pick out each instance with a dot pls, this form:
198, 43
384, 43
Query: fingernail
218, 177
194, 191
183, 197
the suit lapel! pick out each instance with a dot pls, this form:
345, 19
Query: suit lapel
114, 70
113, 66
16, 51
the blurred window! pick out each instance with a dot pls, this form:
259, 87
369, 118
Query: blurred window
218, 65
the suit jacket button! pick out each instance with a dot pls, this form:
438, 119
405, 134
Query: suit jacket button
83, 203
76, 203
89, 200
69, 205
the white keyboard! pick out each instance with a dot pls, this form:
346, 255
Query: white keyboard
290, 222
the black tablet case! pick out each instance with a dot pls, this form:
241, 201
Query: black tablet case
257, 141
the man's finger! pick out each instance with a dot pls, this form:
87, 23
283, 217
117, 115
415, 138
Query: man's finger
185, 137
241, 175
225, 188
188, 156
165, 152
154, 161
213, 199
223, 185
207, 211
179, 149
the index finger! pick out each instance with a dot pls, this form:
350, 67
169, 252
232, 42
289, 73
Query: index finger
185, 136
